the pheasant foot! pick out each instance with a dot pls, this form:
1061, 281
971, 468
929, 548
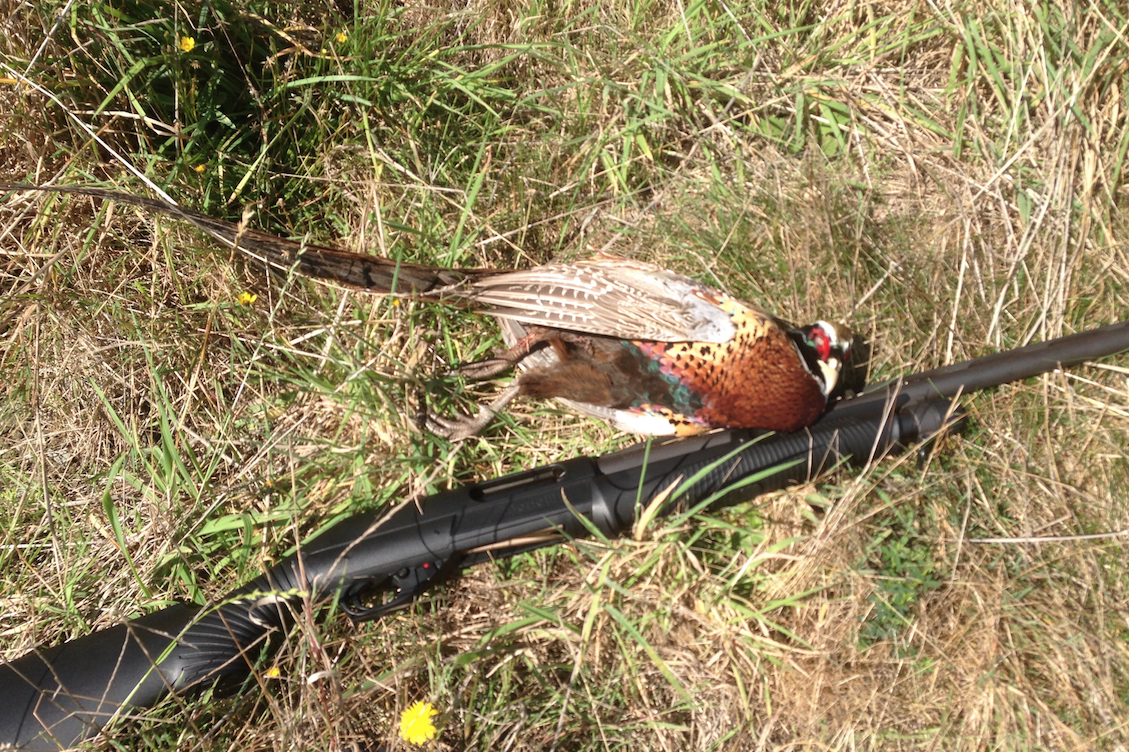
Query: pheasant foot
466, 426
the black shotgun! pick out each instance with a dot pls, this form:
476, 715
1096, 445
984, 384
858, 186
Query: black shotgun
55, 697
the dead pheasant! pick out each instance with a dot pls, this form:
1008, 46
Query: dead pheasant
650, 350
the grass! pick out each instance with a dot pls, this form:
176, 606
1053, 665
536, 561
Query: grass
948, 179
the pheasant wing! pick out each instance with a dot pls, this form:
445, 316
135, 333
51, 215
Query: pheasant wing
610, 297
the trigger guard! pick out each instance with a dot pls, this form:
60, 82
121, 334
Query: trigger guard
410, 582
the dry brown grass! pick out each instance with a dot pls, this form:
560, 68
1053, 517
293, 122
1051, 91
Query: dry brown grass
967, 204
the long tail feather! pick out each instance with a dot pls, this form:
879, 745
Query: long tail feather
359, 271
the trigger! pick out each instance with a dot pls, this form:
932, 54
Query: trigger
410, 582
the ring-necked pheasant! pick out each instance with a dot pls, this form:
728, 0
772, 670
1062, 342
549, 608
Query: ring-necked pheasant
652, 351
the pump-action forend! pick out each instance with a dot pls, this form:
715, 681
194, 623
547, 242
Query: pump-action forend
55, 697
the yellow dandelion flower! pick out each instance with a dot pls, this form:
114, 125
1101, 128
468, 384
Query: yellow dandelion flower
199, 168
341, 37
187, 44
415, 723
273, 673
247, 298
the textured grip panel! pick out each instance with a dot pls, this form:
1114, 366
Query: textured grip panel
53, 698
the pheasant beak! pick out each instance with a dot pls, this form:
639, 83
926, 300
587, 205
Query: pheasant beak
838, 339
829, 372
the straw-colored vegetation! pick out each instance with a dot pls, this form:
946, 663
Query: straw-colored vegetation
947, 177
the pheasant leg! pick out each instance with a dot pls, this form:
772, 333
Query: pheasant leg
485, 369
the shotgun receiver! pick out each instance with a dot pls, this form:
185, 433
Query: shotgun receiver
55, 697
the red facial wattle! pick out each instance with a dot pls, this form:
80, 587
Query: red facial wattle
821, 343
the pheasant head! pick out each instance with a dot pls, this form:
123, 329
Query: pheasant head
824, 347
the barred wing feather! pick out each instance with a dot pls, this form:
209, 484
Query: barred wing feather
607, 297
